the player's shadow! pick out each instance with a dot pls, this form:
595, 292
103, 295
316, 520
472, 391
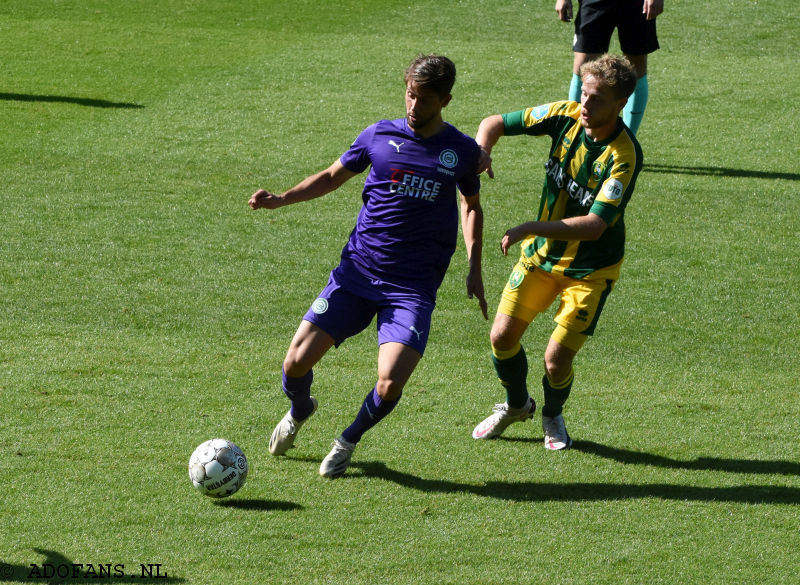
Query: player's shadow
753, 466
718, 172
57, 568
90, 102
529, 491
258, 505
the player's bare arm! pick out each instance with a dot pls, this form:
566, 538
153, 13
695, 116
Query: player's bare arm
585, 227
312, 187
564, 10
472, 227
484, 163
652, 8
490, 131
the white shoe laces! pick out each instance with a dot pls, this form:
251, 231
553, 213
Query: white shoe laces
500, 408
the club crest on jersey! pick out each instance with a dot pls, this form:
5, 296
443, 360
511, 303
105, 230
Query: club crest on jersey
516, 278
598, 169
320, 306
448, 158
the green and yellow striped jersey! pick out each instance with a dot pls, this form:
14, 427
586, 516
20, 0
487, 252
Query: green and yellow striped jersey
582, 176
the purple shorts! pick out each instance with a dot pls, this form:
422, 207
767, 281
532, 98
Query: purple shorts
347, 305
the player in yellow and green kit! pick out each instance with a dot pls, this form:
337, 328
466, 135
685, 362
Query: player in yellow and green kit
574, 249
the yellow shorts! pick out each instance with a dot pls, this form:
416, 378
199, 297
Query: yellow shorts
531, 290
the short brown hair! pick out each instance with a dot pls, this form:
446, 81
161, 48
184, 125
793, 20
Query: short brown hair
613, 70
432, 71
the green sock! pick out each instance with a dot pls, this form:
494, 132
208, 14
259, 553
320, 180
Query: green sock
555, 395
634, 110
513, 374
575, 85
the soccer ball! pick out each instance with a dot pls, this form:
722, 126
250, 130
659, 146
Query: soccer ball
218, 468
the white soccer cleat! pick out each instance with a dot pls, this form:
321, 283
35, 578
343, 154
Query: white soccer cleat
284, 434
336, 462
556, 437
503, 416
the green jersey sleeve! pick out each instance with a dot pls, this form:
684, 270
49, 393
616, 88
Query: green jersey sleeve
540, 120
514, 123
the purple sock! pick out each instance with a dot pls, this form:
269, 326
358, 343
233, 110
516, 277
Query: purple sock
373, 410
299, 392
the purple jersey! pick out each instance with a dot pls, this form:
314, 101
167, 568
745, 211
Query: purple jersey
407, 228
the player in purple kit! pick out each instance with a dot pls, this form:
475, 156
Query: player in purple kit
396, 256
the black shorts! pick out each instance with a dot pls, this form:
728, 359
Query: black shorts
597, 20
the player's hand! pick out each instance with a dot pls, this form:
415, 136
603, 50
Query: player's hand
485, 163
564, 10
510, 238
652, 8
264, 200
475, 290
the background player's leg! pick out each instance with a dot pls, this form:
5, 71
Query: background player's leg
594, 25
576, 84
633, 112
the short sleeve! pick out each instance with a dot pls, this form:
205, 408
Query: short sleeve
357, 158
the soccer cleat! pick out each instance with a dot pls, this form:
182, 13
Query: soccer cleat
336, 462
556, 437
283, 436
503, 416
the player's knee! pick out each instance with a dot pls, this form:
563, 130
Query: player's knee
294, 365
558, 361
556, 371
503, 340
293, 369
639, 63
388, 388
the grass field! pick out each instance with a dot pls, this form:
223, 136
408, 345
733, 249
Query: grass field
144, 308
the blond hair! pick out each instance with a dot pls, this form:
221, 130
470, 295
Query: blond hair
615, 71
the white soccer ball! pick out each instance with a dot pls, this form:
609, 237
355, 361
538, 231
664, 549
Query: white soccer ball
218, 468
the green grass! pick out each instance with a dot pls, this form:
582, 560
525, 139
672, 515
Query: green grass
144, 308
